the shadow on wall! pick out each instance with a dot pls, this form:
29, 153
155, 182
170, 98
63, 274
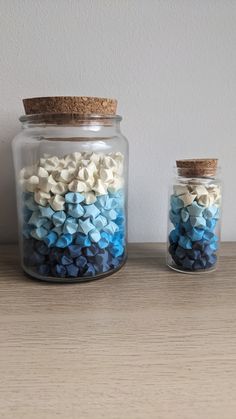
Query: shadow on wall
8, 214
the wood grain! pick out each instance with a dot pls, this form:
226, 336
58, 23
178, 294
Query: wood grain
144, 343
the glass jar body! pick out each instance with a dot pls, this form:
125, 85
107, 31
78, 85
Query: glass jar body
72, 198
194, 224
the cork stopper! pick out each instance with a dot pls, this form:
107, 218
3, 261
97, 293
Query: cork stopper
70, 105
197, 167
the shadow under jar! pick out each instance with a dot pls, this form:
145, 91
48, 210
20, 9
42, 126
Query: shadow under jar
194, 217
71, 173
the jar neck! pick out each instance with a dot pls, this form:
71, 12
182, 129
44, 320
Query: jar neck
93, 122
187, 176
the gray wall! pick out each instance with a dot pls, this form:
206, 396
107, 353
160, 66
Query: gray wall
172, 66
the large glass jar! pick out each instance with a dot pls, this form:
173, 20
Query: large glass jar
194, 216
71, 174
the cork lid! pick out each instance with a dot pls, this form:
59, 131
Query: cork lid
81, 105
197, 167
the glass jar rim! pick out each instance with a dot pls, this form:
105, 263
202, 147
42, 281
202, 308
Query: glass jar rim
208, 173
71, 118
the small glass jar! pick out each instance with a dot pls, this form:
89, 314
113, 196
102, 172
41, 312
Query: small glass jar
71, 163
194, 216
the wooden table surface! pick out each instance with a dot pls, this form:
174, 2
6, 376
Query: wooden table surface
145, 342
